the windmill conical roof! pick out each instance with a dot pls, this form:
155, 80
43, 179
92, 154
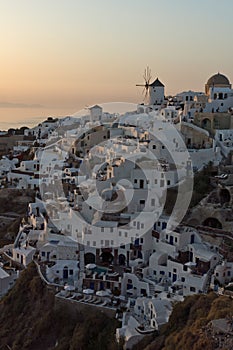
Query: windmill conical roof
157, 82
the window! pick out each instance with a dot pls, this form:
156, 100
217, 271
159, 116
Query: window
182, 279
43, 253
111, 229
141, 240
119, 233
156, 181
94, 243
152, 202
112, 242
135, 181
174, 270
71, 272
168, 182
192, 289
126, 234
102, 229
142, 225
154, 147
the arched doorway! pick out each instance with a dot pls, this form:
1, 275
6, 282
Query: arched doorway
106, 257
224, 196
212, 222
206, 124
89, 258
121, 259
65, 272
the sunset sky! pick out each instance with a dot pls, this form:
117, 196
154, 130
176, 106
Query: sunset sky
58, 56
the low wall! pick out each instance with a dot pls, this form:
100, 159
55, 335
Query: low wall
75, 306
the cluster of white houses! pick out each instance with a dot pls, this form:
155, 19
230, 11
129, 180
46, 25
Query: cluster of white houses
103, 181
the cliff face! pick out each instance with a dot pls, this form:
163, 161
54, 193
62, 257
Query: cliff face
13, 207
29, 321
191, 325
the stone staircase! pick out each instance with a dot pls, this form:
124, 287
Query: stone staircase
151, 289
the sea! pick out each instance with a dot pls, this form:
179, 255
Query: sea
18, 117
30, 117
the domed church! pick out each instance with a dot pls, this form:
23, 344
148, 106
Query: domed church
217, 81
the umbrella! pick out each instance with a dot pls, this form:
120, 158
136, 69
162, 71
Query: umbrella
69, 288
190, 264
91, 266
88, 291
102, 293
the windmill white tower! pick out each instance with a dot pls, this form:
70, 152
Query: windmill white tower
154, 92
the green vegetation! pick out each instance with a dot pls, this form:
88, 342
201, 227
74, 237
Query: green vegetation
29, 320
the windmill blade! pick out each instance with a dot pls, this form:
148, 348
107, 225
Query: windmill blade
147, 75
140, 85
146, 94
144, 90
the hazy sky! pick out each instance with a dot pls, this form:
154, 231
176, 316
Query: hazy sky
65, 54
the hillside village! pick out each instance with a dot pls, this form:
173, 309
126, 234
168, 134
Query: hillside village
114, 226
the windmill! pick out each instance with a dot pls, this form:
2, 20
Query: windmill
147, 78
